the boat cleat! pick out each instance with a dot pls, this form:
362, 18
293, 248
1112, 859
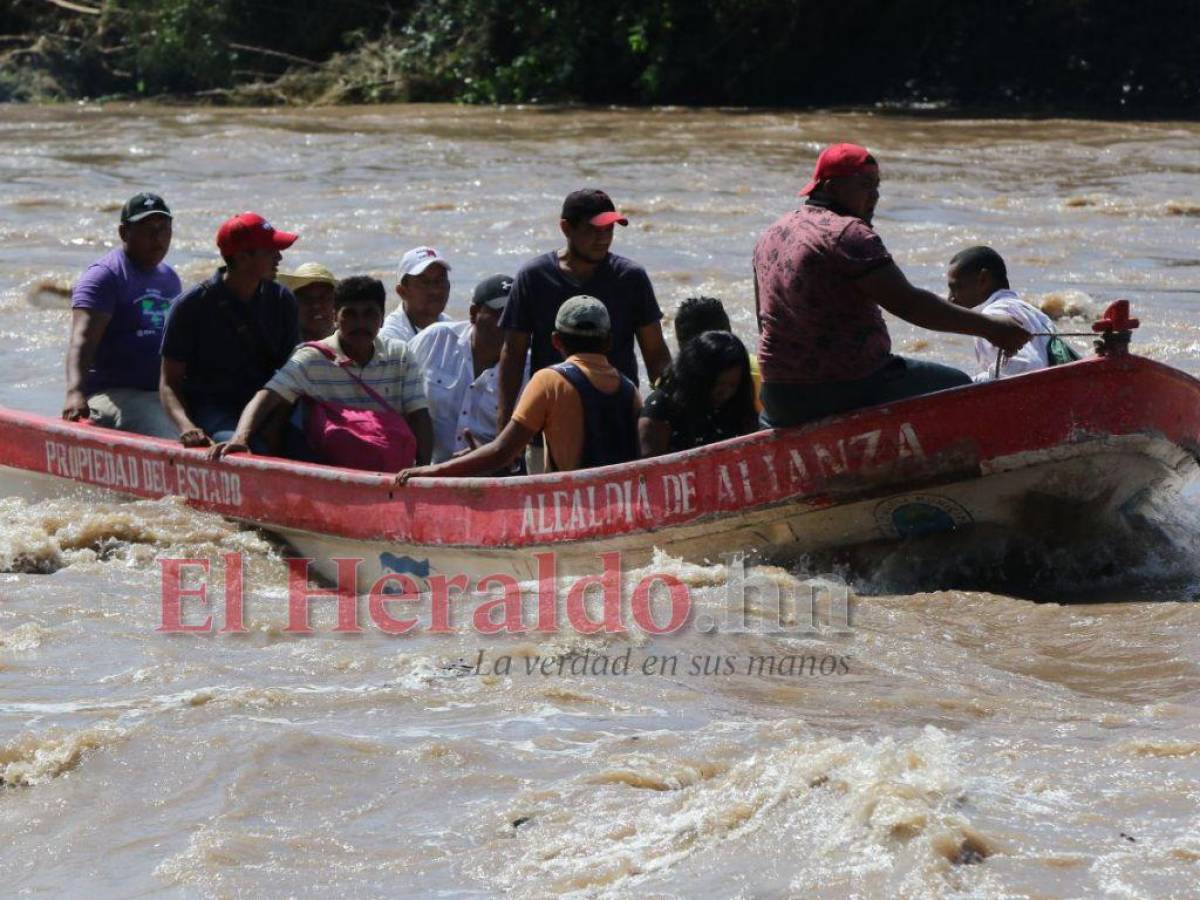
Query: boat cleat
1115, 328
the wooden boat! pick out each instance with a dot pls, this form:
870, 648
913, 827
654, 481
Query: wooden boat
1084, 442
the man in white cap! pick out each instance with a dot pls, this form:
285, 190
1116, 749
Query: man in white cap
459, 361
585, 406
424, 289
312, 284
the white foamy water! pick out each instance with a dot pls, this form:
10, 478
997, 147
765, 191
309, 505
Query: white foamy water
1038, 741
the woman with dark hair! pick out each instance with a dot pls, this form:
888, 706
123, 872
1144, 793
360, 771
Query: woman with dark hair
705, 396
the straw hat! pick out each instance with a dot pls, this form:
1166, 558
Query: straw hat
309, 273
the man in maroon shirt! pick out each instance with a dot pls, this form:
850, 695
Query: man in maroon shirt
821, 277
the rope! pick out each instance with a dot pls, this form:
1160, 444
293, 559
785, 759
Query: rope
1090, 334
1000, 353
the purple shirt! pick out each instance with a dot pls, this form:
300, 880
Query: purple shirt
817, 325
137, 300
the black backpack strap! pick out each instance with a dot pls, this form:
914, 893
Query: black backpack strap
609, 425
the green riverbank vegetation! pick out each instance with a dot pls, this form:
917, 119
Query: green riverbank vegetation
1089, 57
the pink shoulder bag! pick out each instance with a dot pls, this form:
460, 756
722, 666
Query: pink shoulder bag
368, 439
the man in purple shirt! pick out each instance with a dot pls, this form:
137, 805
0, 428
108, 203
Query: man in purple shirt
118, 309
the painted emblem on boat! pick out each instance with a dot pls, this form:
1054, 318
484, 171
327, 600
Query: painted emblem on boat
918, 515
404, 565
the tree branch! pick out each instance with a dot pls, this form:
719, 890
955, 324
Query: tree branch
75, 7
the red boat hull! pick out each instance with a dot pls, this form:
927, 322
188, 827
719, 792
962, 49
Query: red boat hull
1105, 427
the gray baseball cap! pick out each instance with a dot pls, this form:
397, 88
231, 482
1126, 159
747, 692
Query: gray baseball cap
583, 316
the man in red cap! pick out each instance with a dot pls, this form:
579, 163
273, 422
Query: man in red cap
584, 266
226, 337
821, 278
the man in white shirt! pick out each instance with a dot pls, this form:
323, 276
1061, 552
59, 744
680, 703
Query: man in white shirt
459, 360
424, 289
979, 278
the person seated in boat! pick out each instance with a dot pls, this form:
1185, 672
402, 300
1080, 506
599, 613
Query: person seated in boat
706, 395
459, 364
978, 279
822, 278
118, 309
696, 315
354, 368
424, 290
312, 285
586, 408
226, 336
584, 266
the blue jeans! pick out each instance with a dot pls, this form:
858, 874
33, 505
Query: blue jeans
898, 378
219, 423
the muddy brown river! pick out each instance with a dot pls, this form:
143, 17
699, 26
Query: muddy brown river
969, 742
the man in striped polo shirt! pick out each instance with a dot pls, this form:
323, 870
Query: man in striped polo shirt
387, 366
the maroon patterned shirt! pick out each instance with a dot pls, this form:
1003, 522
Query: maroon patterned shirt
816, 324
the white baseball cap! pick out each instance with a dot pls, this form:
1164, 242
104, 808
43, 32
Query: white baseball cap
418, 259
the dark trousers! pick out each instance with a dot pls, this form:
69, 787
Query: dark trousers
898, 378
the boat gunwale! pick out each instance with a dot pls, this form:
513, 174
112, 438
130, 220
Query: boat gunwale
426, 498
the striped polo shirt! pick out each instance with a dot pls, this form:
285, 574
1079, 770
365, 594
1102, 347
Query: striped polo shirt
392, 371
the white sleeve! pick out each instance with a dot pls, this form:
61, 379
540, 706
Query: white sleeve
291, 381
985, 360
394, 327
1029, 358
421, 347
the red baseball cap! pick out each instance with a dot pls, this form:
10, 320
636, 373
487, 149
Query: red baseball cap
838, 161
592, 206
612, 217
250, 231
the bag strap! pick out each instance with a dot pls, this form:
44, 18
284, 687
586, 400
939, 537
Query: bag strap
344, 365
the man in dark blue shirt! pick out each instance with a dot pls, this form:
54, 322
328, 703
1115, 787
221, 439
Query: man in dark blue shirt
225, 337
584, 266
